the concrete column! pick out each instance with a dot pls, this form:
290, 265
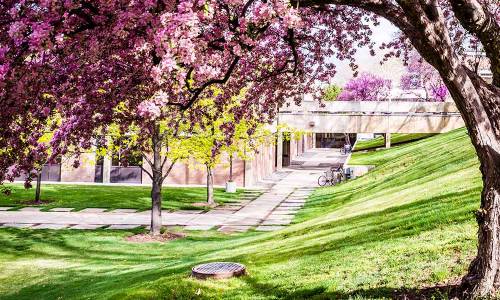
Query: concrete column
106, 169
387, 139
314, 139
279, 151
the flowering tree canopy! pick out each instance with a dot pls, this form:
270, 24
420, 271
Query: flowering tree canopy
420, 76
82, 59
366, 87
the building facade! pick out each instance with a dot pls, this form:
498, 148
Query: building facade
262, 163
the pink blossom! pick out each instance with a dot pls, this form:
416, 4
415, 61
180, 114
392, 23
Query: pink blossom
420, 76
46, 111
4, 69
292, 19
148, 110
366, 87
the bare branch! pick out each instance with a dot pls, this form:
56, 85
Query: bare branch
167, 172
383, 8
146, 171
164, 161
199, 90
144, 156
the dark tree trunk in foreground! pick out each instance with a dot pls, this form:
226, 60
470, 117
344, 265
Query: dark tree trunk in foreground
210, 187
479, 105
423, 23
157, 180
38, 187
483, 121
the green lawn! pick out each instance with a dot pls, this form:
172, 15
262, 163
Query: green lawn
138, 197
396, 138
405, 226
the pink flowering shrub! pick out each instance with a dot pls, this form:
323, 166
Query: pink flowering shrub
366, 87
420, 76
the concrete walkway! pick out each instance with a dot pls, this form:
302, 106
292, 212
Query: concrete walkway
274, 209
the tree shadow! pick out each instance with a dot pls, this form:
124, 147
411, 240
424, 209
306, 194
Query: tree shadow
447, 291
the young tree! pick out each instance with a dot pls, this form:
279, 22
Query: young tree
366, 87
216, 134
420, 76
158, 135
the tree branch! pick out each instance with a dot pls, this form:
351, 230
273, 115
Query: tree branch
147, 160
199, 90
168, 170
146, 171
383, 8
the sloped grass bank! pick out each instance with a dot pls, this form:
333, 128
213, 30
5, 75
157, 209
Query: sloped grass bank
396, 139
403, 227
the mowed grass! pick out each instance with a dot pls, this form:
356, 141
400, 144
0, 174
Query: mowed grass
396, 138
138, 197
405, 226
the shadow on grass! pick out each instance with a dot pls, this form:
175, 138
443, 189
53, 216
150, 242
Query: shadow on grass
396, 222
132, 272
321, 292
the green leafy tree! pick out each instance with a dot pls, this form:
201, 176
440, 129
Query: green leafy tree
331, 92
161, 140
210, 139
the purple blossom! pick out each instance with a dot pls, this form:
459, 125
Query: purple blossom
420, 76
366, 87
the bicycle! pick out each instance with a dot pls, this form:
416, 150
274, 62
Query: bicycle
346, 149
332, 177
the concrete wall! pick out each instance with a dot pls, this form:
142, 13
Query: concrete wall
299, 146
245, 173
373, 116
355, 123
193, 173
373, 107
261, 165
84, 173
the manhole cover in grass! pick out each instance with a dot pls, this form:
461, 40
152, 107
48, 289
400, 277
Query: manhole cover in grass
218, 270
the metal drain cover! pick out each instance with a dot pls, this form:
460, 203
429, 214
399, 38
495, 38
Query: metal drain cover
218, 270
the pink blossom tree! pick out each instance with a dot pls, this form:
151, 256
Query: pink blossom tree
366, 87
421, 76
136, 63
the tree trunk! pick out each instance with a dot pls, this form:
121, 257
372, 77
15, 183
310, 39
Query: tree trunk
157, 173
38, 187
155, 208
210, 187
231, 167
479, 104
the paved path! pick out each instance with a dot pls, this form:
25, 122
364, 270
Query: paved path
272, 210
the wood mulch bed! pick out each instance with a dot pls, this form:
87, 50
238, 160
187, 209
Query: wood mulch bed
148, 238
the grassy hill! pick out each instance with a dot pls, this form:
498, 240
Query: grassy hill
396, 139
403, 227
